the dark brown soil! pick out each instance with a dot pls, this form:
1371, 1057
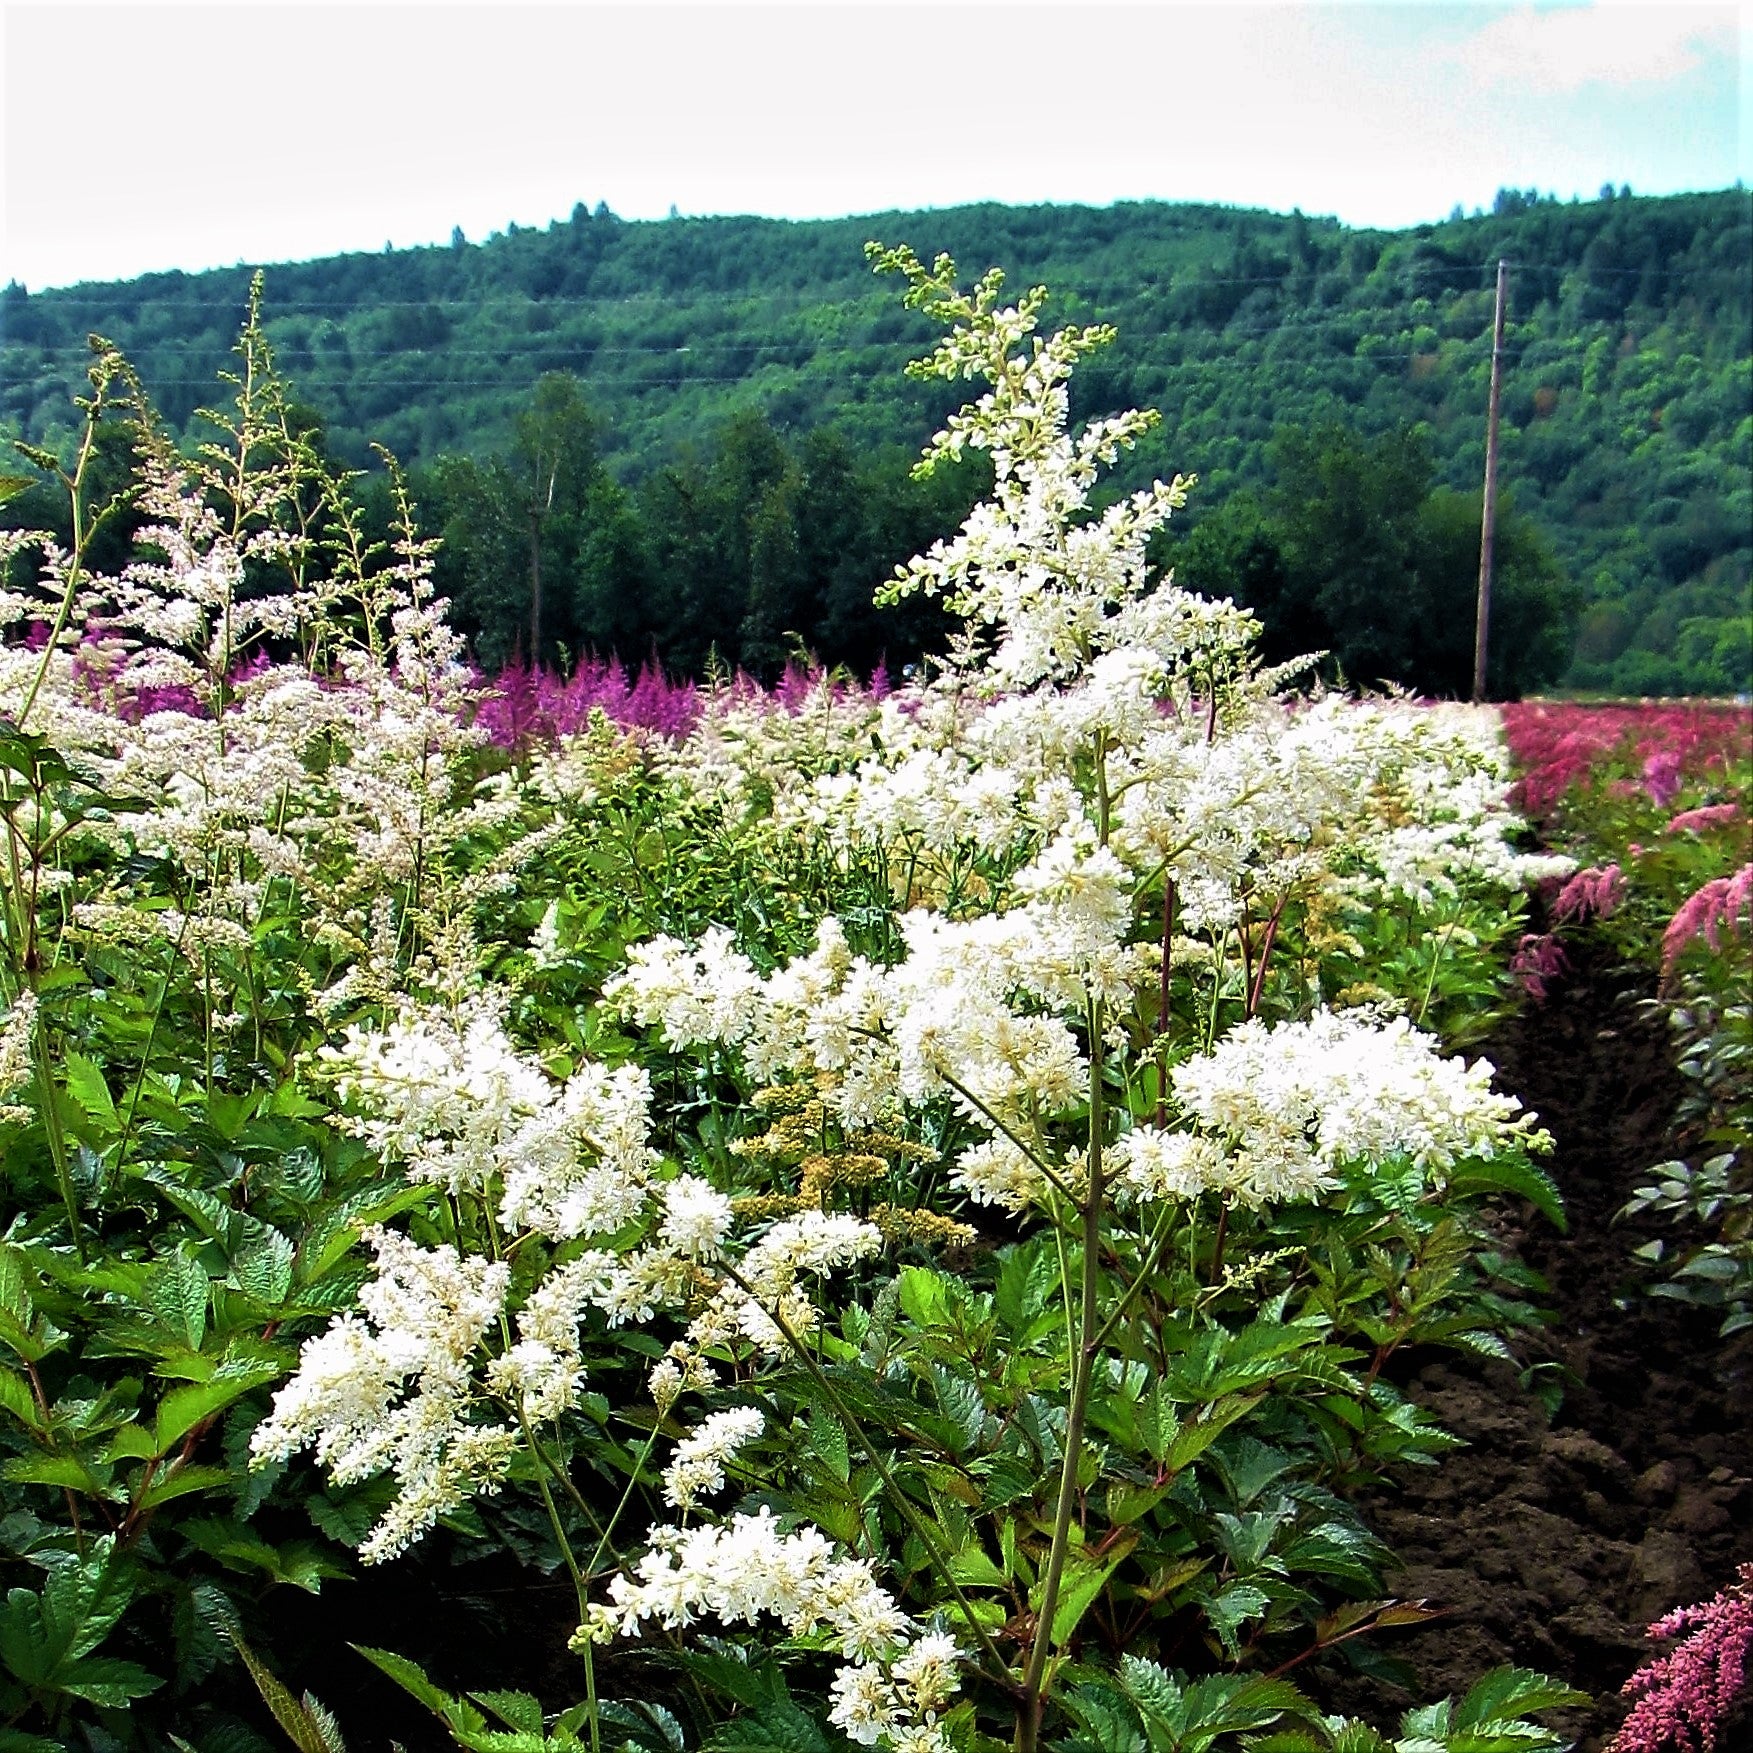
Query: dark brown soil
1552, 1544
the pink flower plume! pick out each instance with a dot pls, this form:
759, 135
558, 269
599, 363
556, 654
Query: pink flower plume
1684, 1697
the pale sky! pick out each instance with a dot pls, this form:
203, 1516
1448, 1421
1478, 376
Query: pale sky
139, 137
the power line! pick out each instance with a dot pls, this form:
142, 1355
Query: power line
1294, 322
517, 298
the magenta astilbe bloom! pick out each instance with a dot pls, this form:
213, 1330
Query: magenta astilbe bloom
1714, 908
671, 709
525, 705
1590, 894
1684, 1696
1538, 961
1710, 815
1662, 775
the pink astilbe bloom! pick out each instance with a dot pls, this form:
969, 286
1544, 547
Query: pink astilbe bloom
1589, 894
1710, 815
1716, 907
527, 706
1538, 961
1684, 1696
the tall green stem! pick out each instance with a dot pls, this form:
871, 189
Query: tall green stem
904, 1504
1088, 1346
56, 1132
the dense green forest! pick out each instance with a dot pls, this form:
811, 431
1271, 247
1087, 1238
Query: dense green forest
724, 421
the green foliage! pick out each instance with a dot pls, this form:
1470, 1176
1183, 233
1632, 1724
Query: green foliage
1150, 1710
1708, 1198
743, 550
48, 1638
1356, 552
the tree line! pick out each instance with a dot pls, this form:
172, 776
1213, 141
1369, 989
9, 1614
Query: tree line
1628, 403
753, 550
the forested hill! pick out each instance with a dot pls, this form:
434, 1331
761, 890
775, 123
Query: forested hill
1627, 436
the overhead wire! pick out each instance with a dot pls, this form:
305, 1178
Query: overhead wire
563, 354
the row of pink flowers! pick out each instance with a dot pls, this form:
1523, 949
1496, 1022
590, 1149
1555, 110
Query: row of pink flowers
1559, 744
1711, 910
523, 705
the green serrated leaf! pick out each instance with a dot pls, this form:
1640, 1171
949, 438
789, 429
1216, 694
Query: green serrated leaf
16, 1398
1232, 1608
961, 1402
181, 1482
263, 1269
1082, 1583
310, 1731
86, 1085
827, 1436
972, 1568
63, 1471
177, 1293
104, 1680
412, 1678
183, 1408
1513, 1174
15, 1297
517, 1710
1511, 1692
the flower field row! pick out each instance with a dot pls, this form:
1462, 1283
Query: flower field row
909, 1199
1656, 804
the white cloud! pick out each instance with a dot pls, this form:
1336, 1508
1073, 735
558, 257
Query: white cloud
1567, 48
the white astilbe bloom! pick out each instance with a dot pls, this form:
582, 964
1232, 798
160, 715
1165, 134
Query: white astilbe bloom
440, 1093
697, 1467
748, 744
16, 1037
682, 1370
389, 1389
811, 1242
452, 1099
998, 1171
956, 1014
933, 798
757, 1300
696, 1217
899, 1677
580, 1165
1292, 1103
1150, 1162
705, 994
1021, 564
545, 950
544, 1370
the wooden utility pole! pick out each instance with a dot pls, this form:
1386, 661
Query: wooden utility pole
537, 513
1488, 515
